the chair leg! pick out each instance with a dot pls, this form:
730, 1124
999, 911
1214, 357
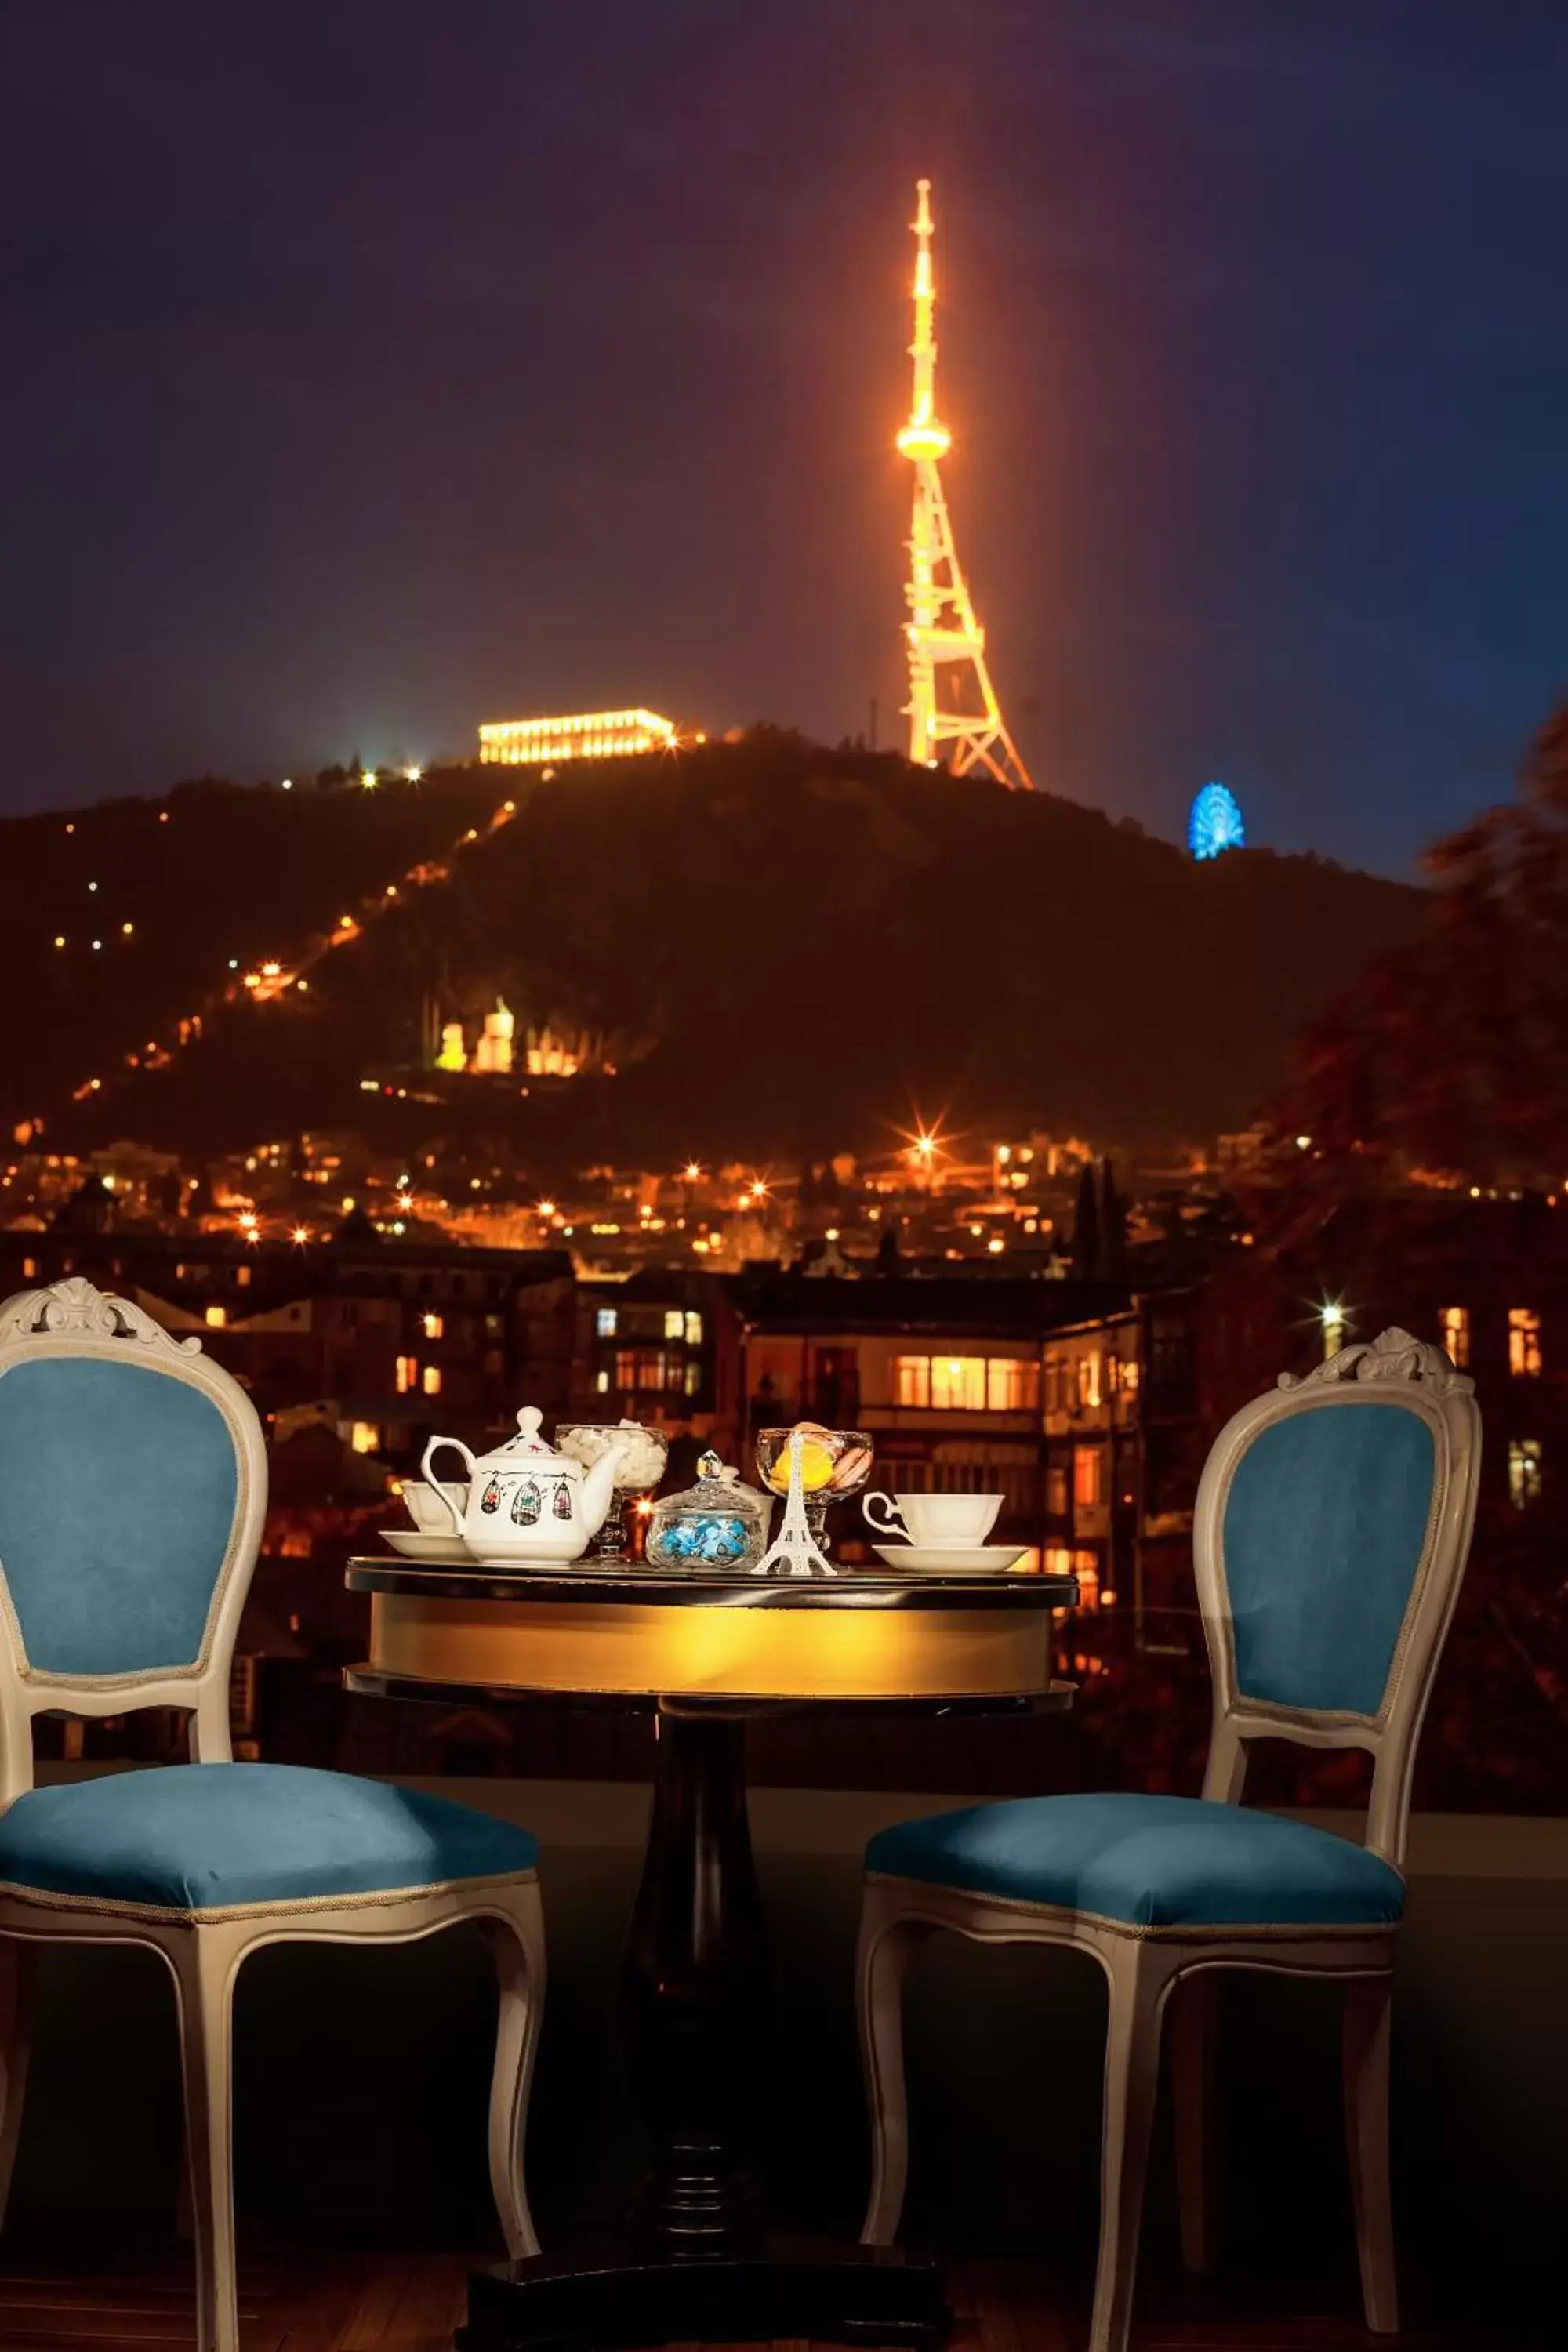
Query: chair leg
1193, 2004
1139, 1975
1365, 2051
517, 1945
18, 1991
205, 1968
885, 1946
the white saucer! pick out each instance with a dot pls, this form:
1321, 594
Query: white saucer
952, 1559
444, 1551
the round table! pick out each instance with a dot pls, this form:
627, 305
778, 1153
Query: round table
703, 1653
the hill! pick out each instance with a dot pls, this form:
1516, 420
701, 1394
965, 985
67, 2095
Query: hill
788, 947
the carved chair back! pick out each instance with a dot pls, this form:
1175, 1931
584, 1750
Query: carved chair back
1333, 1521
132, 1493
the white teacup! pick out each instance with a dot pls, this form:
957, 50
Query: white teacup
936, 1522
427, 1508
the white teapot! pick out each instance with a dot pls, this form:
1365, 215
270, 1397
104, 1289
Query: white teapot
525, 1501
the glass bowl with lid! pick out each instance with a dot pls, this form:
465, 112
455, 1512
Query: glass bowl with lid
719, 1524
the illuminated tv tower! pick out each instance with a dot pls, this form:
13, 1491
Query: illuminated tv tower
945, 640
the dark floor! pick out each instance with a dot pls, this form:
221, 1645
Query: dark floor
95, 2296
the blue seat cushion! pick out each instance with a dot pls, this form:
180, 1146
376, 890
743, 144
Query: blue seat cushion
1147, 1861
212, 1837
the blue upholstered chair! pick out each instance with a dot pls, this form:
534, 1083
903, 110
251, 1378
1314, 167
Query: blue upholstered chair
132, 1491
1332, 1524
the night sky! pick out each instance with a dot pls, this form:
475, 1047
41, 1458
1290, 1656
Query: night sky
372, 370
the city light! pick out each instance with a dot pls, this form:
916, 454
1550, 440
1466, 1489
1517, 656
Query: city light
248, 1223
412, 775
693, 1170
300, 1235
545, 1209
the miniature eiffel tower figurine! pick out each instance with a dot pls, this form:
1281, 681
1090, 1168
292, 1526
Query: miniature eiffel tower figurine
794, 1551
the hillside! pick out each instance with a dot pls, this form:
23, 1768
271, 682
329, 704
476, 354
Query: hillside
788, 947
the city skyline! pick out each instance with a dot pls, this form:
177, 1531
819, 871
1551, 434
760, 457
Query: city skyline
394, 427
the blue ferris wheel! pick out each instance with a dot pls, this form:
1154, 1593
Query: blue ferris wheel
1214, 822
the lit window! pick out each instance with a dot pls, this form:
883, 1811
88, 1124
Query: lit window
1011, 1385
604, 1323
434, 1327
1086, 1474
693, 1379
432, 1382
1089, 1377
674, 1323
1131, 1371
1454, 1323
1057, 1495
1523, 1472
626, 1368
364, 1436
693, 1330
602, 1383
1525, 1342
957, 1383
30, 1268
912, 1379
242, 1275
218, 1317
406, 1370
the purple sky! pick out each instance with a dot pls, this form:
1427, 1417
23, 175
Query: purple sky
371, 370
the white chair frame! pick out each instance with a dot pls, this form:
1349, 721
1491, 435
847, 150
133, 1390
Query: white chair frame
1145, 1967
204, 1951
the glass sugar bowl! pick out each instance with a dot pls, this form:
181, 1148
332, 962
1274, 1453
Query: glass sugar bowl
717, 1524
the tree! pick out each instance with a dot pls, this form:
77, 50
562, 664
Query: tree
1085, 1225
1450, 1053
1112, 1265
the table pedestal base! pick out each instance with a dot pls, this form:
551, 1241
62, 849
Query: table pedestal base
808, 2290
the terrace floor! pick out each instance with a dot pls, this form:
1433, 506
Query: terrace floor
96, 2298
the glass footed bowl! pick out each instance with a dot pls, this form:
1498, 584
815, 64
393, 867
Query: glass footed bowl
639, 1473
834, 1464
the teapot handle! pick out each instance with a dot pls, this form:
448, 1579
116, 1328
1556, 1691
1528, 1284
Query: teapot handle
457, 1446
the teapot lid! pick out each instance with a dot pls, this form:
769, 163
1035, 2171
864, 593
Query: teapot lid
527, 1446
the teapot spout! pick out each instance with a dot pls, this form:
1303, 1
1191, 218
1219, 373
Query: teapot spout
598, 1487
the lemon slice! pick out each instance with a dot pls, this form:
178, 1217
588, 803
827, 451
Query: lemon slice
815, 1467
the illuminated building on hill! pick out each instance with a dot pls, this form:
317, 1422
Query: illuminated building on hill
540, 1051
1214, 824
945, 641
591, 735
